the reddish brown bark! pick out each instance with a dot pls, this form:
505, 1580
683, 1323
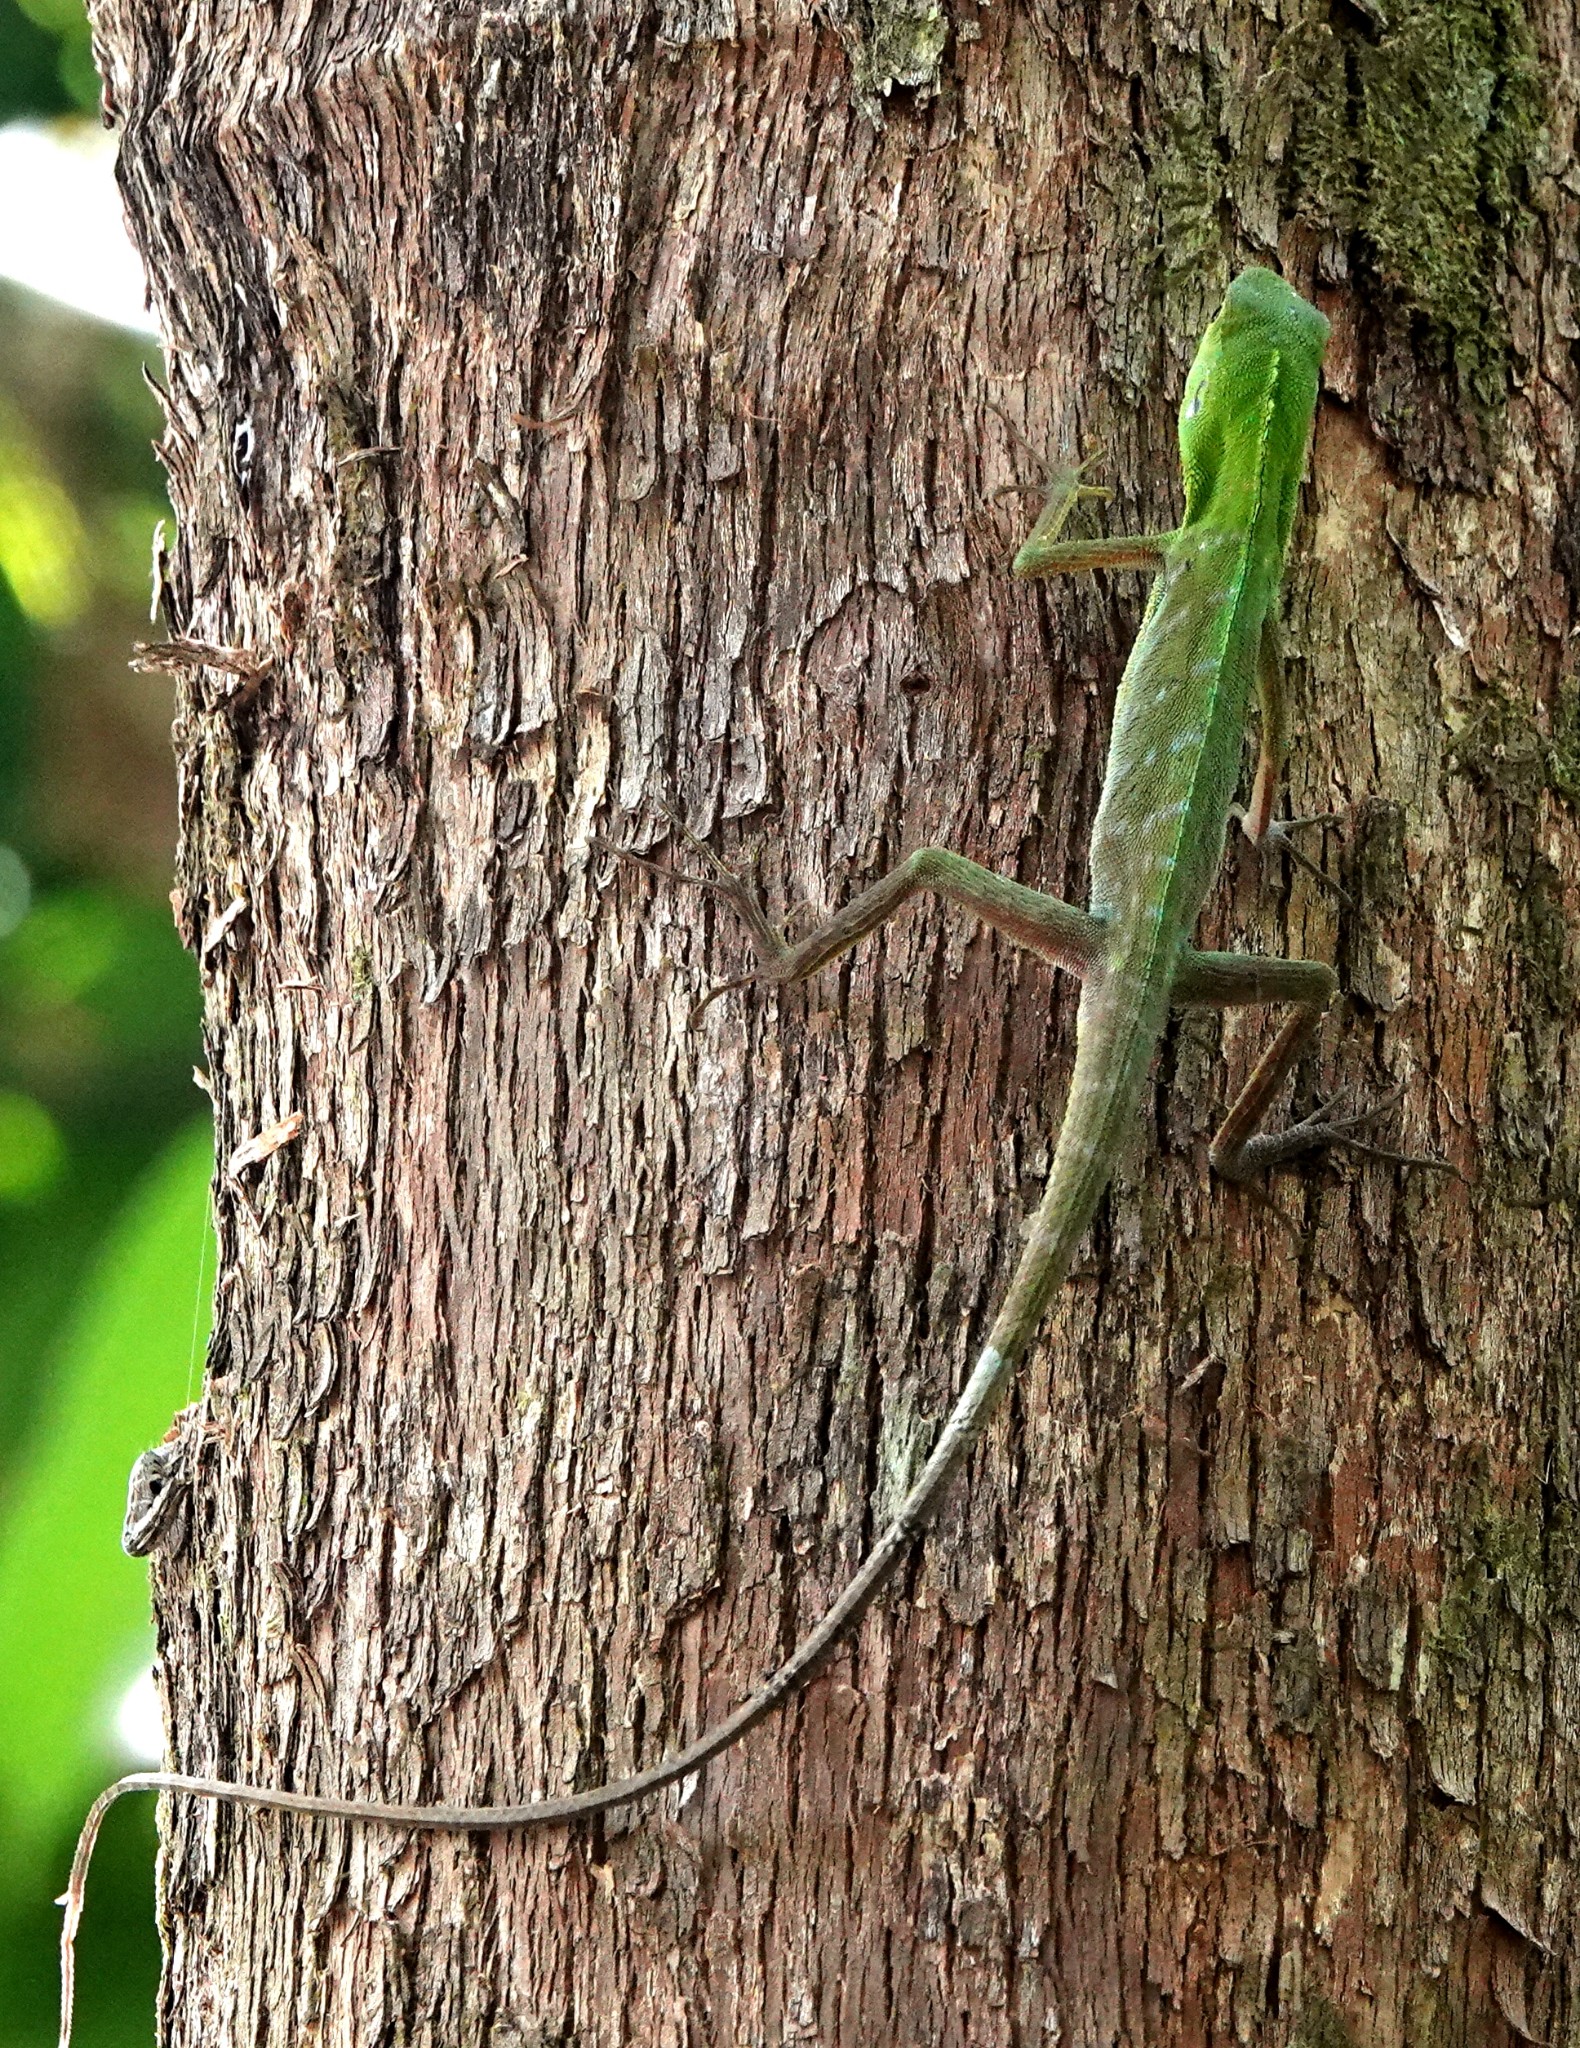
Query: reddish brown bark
580, 412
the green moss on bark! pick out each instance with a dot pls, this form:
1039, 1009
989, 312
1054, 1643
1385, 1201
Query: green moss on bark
1520, 1566
1415, 127
1500, 745
895, 43
1322, 2025
1188, 178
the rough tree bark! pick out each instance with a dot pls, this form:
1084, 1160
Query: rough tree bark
581, 407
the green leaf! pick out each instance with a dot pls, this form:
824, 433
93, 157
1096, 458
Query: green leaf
32, 1151
74, 1628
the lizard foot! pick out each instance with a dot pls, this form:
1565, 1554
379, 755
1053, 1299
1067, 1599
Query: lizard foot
736, 886
1062, 483
1279, 839
1325, 1130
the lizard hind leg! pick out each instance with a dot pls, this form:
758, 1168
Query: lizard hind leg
1070, 938
1241, 1150
1269, 835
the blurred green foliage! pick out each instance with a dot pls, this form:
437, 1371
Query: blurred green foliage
105, 1151
74, 1630
46, 59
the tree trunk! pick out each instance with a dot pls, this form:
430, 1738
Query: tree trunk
578, 411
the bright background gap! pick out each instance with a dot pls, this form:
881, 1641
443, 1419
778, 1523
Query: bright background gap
61, 231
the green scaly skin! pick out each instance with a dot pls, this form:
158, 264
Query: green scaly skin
1156, 846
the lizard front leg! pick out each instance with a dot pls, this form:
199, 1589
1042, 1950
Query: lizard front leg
1045, 553
1256, 821
1071, 938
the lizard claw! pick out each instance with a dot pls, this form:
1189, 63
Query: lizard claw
1323, 1130
1342, 1132
1279, 838
1061, 484
695, 1014
721, 878
735, 885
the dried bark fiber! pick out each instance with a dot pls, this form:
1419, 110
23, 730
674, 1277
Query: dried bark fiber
577, 410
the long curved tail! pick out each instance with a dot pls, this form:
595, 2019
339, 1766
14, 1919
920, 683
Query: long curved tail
966, 1422
1103, 1089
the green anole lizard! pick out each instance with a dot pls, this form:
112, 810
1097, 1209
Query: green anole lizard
1173, 761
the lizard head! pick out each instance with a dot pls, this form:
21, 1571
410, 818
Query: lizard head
1249, 401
